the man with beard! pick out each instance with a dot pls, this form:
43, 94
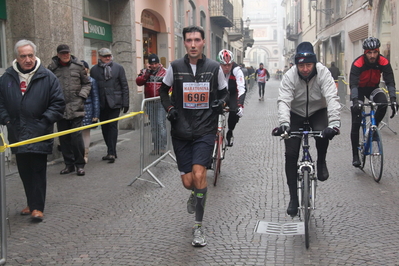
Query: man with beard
364, 81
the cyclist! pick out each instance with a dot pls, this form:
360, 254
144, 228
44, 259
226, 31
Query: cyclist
261, 76
236, 85
198, 85
364, 81
307, 92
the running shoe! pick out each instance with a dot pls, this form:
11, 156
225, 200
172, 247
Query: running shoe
199, 236
191, 203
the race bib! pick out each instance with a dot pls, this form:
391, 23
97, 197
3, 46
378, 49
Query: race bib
196, 95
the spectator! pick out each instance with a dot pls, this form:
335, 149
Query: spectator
92, 111
334, 73
76, 87
31, 101
152, 77
114, 96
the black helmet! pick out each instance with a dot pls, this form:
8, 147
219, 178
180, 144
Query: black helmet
371, 43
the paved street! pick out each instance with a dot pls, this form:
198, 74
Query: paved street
98, 219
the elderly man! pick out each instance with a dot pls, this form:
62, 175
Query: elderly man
31, 101
76, 86
114, 96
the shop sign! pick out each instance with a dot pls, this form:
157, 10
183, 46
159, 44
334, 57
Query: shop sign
94, 29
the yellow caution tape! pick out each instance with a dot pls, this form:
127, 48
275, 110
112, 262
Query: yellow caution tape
65, 132
2, 147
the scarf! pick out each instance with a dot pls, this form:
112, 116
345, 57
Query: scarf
25, 77
107, 69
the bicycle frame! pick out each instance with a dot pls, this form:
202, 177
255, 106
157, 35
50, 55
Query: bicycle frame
219, 148
373, 126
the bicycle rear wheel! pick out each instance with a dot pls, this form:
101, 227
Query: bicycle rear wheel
217, 160
376, 156
306, 205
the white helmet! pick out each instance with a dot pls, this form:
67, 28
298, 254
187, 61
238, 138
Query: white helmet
225, 57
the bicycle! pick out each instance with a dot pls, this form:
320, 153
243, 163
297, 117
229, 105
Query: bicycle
371, 144
306, 177
219, 148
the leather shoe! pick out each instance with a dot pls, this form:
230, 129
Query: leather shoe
356, 160
81, 171
67, 170
322, 171
37, 215
293, 207
25, 211
109, 158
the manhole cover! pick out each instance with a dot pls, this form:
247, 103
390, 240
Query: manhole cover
263, 227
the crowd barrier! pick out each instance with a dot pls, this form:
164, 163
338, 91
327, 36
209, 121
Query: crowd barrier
3, 148
155, 141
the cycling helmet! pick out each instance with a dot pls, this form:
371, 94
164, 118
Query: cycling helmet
371, 43
225, 57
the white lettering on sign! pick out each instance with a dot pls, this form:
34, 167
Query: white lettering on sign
96, 29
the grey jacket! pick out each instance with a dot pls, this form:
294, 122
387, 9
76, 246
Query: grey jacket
75, 84
305, 98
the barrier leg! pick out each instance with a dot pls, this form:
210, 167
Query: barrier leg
3, 215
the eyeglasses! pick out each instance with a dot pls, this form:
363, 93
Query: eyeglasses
304, 54
24, 56
108, 55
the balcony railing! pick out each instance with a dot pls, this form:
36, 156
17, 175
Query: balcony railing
292, 32
237, 31
221, 12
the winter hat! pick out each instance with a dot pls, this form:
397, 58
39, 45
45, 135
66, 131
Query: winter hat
63, 48
153, 58
305, 53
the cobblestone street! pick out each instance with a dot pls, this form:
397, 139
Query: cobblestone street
98, 219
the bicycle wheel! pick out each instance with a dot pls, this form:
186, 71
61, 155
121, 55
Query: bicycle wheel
376, 156
362, 140
306, 205
217, 160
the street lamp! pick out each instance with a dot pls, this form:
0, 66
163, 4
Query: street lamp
247, 22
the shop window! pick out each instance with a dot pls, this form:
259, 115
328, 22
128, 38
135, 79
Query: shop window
149, 44
96, 9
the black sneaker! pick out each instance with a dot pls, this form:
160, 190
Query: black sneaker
293, 207
322, 171
356, 160
229, 138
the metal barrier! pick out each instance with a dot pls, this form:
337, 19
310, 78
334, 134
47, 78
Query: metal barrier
342, 92
385, 120
155, 142
3, 150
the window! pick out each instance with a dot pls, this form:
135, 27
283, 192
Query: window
96, 9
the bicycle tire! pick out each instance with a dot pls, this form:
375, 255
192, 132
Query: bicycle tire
217, 161
306, 205
362, 141
376, 156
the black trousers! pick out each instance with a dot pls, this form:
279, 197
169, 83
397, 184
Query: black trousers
32, 168
72, 145
317, 121
110, 130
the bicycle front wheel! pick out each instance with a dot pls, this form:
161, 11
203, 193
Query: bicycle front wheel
362, 141
376, 156
217, 160
306, 205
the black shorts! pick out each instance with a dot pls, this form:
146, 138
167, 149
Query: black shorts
190, 152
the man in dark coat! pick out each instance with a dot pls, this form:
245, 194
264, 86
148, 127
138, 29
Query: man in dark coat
76, 86
114, 96
31, 101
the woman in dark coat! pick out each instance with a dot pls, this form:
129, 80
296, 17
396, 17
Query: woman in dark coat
92, 111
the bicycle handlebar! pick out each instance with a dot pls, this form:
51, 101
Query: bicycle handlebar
300, 133
372, 105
